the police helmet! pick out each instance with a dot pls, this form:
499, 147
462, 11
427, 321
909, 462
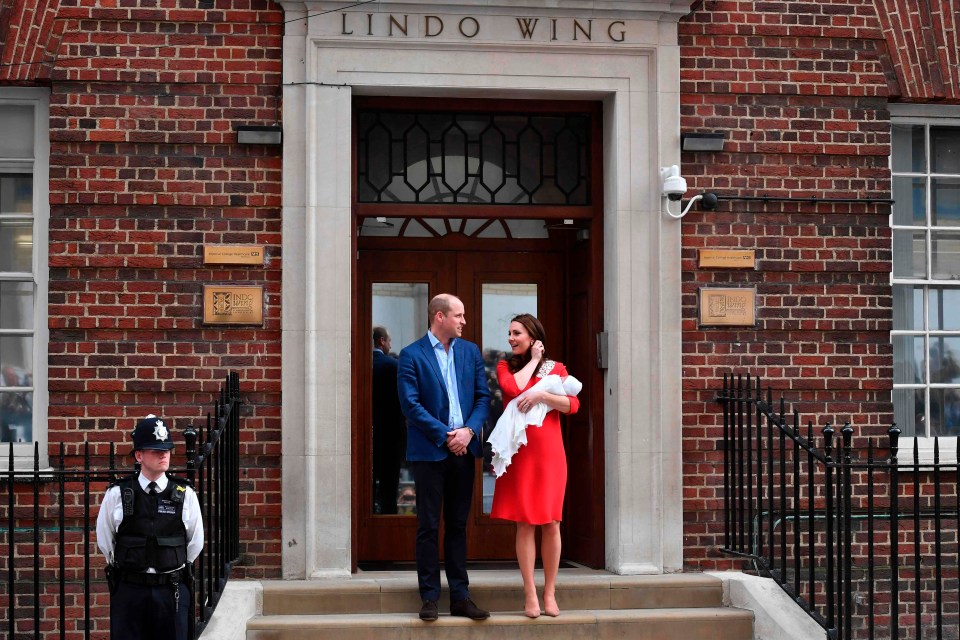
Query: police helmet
152, 433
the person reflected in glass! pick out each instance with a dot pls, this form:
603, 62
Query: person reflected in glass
532, 477
389, 425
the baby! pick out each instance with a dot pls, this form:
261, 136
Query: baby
511, 431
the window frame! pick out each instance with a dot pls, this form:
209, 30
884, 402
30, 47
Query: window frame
927, 116
39, 99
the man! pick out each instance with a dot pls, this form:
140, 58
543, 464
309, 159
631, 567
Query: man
150, 531
443, 393
389, 428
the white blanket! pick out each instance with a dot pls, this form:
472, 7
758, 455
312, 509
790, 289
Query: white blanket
511, 431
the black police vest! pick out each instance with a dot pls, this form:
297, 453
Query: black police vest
151, 533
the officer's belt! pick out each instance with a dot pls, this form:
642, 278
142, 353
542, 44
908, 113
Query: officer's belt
152, 579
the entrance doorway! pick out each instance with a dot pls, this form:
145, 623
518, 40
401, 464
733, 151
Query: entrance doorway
496, 278
396, 287
499, 203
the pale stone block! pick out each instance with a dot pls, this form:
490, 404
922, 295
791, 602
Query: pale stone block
293, 284
240, 601
295, 535
776, 615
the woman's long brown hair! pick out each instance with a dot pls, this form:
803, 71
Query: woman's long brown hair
535, 330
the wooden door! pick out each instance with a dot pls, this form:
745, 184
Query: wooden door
393, 289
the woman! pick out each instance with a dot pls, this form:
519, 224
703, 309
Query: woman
530, 493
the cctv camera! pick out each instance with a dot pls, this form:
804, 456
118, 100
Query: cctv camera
673, 185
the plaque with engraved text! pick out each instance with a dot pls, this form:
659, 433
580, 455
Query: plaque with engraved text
225, 304
727, 258
232, 254
728, 306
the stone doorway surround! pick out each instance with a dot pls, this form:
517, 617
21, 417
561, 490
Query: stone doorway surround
478, 48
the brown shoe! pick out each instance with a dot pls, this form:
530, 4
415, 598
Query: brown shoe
467, 609
429, 611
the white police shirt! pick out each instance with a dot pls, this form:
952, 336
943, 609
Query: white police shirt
111, 515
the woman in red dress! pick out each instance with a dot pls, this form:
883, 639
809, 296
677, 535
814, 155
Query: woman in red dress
531, 490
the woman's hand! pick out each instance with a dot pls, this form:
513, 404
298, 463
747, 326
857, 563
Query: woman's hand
536, 350
529, 400
553, 401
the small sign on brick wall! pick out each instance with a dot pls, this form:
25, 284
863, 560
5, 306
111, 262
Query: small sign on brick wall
728, 306
727, 258
232, 254
224, 304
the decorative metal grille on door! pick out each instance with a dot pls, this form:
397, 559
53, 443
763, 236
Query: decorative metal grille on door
473, 158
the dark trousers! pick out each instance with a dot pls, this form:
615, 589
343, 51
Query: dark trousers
447, 487
386, 479
143, 612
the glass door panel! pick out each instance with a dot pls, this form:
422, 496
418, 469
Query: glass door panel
398, 313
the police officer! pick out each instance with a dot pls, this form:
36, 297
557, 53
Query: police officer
150, 531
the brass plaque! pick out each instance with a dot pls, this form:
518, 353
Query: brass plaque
232, 254
728, 258
224, 304
728, 307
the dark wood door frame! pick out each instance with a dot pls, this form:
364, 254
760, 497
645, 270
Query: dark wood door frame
582, 247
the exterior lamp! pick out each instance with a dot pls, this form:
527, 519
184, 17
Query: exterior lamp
259, 134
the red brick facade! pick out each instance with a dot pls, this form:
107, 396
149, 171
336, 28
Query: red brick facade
801, 89
144, 170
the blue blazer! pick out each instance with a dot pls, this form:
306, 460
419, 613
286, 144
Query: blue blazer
423, 398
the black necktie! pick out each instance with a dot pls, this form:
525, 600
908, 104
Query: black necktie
152, 488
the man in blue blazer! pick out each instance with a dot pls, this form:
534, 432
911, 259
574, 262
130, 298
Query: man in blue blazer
443, 393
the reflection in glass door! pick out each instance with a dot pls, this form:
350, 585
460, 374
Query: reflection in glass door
499, 303
398, 311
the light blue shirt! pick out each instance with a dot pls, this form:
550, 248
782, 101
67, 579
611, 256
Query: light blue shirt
448, 369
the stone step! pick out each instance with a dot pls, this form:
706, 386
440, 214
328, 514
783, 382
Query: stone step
499, 591
704, 623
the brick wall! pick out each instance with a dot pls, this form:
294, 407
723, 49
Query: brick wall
801, 93
144, 171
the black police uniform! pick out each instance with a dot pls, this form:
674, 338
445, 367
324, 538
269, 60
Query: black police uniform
150, 535
150, 605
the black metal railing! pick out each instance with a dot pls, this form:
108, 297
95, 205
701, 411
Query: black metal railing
864, 541
52, 588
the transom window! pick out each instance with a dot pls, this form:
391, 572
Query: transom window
478, 158
925, 161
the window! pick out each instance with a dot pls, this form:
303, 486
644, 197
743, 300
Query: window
472, 158
925, 161
24, 158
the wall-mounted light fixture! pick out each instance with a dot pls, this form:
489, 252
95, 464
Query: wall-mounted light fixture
696, 141
259, 134
672, 188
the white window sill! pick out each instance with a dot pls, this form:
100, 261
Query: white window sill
948, 451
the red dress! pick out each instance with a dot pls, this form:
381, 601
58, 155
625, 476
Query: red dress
531, 490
